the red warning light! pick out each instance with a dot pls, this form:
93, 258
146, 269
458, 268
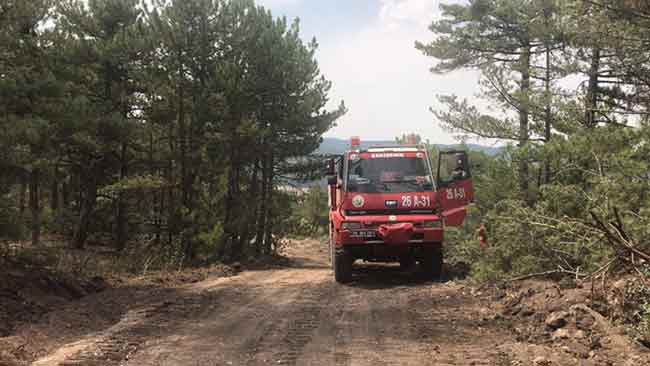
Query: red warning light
355, 141
412, 139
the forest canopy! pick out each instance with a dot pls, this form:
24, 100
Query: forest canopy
568, 82
166, 122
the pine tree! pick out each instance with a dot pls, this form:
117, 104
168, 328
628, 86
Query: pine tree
502, 39
103, 42
29, 96
175, 119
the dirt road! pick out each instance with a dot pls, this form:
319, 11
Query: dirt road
299, 316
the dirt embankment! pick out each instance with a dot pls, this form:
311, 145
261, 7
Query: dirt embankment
27, 294
297, 315
41, 310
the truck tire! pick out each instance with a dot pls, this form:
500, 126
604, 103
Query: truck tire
342, 266
431, 264
406, 262
331, 250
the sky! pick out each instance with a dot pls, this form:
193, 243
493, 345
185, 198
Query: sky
367, 49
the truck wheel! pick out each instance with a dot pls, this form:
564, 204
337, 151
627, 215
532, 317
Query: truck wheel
431, 264
342, 266
331, 254
406, 262
330, 246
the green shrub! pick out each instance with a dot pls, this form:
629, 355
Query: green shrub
210, 241
12, 225
309, 213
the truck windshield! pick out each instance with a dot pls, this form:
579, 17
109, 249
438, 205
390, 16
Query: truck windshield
394, 174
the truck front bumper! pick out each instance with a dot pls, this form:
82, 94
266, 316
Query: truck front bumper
421, 236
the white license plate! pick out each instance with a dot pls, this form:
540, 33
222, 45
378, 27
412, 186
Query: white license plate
364, 234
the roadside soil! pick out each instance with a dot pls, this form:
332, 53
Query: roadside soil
297, 315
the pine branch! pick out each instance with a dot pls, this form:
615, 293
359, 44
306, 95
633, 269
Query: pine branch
623, 11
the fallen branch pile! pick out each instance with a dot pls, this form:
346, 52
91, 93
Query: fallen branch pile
627, 251
617, 237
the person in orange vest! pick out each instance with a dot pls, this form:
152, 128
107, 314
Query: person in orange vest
482, 236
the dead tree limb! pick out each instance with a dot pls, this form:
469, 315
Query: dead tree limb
544, 274
618, 237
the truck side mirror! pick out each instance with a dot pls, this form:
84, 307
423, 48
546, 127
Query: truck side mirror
331, 167
332, 180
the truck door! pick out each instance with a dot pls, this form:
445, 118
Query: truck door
455, 189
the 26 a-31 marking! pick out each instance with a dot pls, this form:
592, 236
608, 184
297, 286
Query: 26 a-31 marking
416, 201
456, 193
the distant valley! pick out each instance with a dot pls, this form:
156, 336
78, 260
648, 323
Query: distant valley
332, 145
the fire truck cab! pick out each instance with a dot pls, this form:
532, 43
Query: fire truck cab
386, 206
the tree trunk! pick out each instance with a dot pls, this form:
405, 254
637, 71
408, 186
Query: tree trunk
34, 206
524, 61
185, 178
261, 219
182, 138
54, 200
120, 216
88, 201
592, 91
23, 192
268, 229
227, 250
547, 114
65, 194
171, 178
249, 228
237, 220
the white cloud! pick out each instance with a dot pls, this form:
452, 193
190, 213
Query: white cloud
420, 12
277, 3
384, 80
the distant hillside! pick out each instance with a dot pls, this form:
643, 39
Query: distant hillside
332, 145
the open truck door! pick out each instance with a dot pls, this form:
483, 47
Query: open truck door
332, 180
455, 189
333, 174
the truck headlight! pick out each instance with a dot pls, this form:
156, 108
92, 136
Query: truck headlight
351, 225
432, 223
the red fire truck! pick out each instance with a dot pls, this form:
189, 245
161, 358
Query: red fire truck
386, 206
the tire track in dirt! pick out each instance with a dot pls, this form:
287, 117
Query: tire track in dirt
378, 340
343, 326
387, 328
301, 330
119, 342
365, 327
352, 322
245, 329
287, 328
443, 320
341, 357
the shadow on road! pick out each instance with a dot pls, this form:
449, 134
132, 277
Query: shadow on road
375, 276
308, 263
